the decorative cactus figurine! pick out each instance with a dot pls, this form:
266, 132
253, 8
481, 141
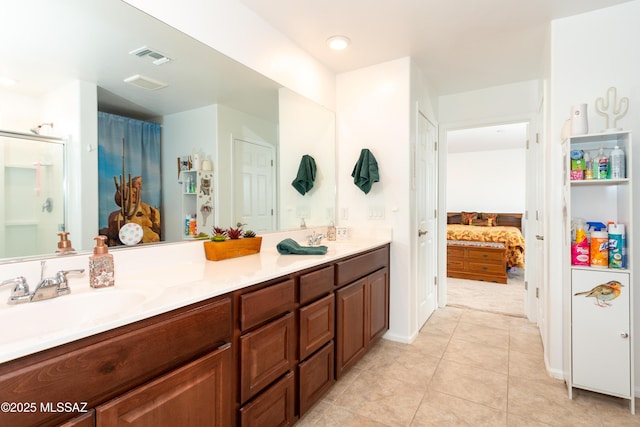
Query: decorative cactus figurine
617, 109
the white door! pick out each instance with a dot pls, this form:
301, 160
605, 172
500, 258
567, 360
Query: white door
426, 183
600, 329
253, 185
532, 225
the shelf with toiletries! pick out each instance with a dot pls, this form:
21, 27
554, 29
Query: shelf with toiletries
197, 202
598, 291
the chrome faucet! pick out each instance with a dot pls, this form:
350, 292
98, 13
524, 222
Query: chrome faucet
315, 239
52, 287
47, 288
20, 292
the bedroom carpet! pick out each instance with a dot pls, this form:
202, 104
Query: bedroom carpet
486, 296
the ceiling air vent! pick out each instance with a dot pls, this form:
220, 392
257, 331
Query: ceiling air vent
152, 55
145, 82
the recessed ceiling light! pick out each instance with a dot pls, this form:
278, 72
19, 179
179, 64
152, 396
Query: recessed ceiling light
145, 82
338, 42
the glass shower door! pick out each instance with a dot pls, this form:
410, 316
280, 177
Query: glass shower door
32, 187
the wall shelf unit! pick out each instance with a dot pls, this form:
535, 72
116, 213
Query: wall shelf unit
598, 306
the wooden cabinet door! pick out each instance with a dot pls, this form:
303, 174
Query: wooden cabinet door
316, 325
87, 419
197, 394
266, 354
378, 295
352, 333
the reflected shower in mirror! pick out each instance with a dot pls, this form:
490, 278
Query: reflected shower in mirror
32, 189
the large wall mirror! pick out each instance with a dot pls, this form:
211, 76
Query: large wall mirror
69, 59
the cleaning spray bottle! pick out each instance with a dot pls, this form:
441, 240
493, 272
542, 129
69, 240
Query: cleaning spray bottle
580, 244
617, 250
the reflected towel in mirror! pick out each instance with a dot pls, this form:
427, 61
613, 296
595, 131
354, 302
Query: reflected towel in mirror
306, 175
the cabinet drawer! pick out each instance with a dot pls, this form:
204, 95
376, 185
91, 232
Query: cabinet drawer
259, 306
487, 254
105, 365
274, 407
455, 252
316, 376
480, 267
316, 325
266, 354
455, 264
316, 284
361, 265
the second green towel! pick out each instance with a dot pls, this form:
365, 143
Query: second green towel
365, 172
291, 247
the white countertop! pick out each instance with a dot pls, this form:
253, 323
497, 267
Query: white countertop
156, 286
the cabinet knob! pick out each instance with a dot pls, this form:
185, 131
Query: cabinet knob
624, 335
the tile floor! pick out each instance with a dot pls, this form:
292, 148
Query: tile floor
466, 368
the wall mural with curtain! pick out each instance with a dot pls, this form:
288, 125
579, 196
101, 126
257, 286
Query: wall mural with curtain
129, 183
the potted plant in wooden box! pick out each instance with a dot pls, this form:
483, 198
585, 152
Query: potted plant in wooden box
231, 243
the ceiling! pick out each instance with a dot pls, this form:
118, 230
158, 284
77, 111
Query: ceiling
70, 40
488, 138
460, 45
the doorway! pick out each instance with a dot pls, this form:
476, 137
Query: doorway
253, 185
487, 172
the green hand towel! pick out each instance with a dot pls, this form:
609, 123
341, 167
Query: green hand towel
306, 175
291, 247
365, 172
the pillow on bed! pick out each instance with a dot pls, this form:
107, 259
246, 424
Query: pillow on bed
481, 222
491, 217
467, 217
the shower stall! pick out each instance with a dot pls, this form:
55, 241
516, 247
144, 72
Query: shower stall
32, 188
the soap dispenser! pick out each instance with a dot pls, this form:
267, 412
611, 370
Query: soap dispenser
64, 245
101, 265
331, 232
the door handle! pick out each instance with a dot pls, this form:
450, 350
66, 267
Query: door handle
422, 232
539, 237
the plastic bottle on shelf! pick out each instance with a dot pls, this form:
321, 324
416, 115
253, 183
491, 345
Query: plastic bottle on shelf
187, 227
600, 248
192, 225
603, 165
594, 165
588, 173
617, 164
187, 184
617, 250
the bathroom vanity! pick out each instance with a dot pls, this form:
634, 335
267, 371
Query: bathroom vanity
255, 340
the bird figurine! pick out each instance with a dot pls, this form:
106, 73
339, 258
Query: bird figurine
603, 293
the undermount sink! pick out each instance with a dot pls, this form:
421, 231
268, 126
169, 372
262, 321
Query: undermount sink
68, 312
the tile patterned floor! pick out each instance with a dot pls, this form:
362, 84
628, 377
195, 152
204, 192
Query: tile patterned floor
466, 368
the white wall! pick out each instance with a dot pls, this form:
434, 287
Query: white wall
373, 111
486, 181
589, 53
234, 30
